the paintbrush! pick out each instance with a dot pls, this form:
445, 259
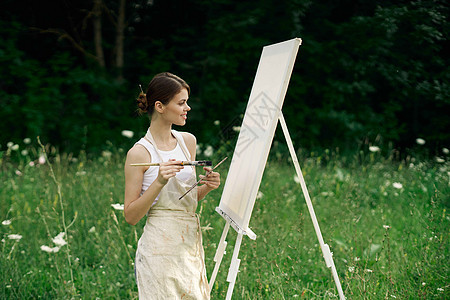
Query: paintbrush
207, 173
183, 163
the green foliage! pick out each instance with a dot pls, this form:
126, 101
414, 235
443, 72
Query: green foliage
67, 105
384, 75
372, 70
386, 239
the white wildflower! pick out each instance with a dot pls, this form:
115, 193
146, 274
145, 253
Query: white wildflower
357, 258
49, 250
106, 154
6, 222
26, 141
296, 179
198, 149
217, 122
117, 206
16, 237
18, 173
420, 141
397, 185
59, 239
208, 151
374, 149
237, 128
259, 195
445, 151
46, 248
423, 283
24, 152
440, 289
351, 269
128, 133
92, 229
15, 147
386, 226
41, 159
330, 294
31, 163
368, 270
439, 160
9, 144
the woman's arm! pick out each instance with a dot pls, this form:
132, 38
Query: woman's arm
212, 181
136, 206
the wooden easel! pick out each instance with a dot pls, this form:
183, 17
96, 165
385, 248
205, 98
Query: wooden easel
244, 230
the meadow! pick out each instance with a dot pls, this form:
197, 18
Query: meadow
386, 221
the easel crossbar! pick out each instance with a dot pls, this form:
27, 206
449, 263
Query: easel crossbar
236, 226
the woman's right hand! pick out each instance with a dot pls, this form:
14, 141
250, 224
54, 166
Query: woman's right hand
168, 170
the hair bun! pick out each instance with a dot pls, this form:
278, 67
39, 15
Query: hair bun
142, 102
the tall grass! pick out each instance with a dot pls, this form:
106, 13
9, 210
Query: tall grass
386, 222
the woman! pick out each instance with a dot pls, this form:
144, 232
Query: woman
169, 257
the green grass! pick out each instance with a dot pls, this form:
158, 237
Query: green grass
387, 242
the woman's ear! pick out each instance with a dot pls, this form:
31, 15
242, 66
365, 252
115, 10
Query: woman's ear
159, 107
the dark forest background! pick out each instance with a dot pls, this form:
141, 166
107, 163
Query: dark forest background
367, 73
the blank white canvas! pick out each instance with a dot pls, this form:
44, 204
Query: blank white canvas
257, 130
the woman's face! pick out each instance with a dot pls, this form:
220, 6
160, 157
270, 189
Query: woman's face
176, 110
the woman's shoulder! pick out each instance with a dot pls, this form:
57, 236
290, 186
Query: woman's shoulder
188, 137
138, 153
191, 142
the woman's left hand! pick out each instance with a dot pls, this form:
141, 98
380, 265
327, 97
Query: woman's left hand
212, 181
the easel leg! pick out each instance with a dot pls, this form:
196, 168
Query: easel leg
219, 254
325, 249
234, 267
337, 282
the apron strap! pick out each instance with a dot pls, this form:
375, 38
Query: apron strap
148, 136
183, 146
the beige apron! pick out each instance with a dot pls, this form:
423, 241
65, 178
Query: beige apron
169, 257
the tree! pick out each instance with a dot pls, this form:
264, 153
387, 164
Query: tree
374, 71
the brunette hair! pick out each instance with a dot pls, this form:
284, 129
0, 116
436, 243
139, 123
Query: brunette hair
163, 87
